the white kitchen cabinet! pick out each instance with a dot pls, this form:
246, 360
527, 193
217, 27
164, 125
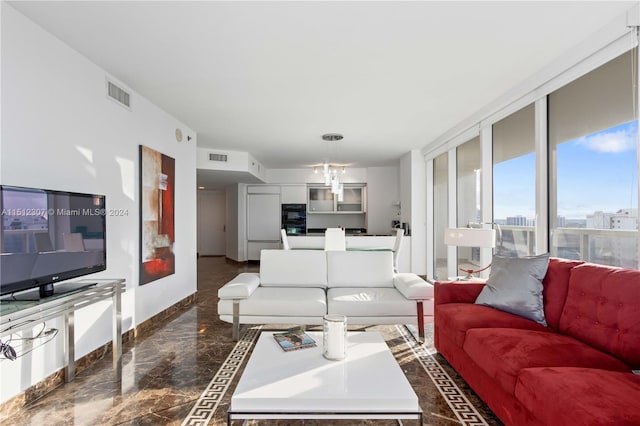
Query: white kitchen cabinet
263, 189
263, 217
293, 194
322, 200
263, 223
353, 200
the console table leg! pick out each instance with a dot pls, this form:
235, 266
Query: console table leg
117, 333
70, 364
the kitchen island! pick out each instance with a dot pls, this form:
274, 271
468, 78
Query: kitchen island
364, 242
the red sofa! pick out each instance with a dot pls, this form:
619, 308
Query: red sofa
575, 371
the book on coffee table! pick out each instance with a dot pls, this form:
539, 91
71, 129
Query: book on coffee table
293, 339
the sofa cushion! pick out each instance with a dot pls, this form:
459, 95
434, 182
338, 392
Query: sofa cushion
602, 310
555, 287
595, 397
369, 302
359, 269
503, 352
280, 301
515, 285
293, 268
455, 319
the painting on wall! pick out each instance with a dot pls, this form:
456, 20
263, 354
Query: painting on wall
157, 201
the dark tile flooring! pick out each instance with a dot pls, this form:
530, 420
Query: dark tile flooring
165, 371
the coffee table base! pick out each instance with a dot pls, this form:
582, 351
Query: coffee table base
236, 415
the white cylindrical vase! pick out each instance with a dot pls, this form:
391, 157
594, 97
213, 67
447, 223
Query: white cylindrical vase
334, 336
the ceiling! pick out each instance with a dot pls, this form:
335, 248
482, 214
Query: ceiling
270, 78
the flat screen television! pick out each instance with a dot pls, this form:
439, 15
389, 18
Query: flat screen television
49, 236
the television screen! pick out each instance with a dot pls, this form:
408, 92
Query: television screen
49, 236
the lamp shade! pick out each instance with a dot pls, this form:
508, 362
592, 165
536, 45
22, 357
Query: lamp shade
470, 237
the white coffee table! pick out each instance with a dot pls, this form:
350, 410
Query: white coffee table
302, 384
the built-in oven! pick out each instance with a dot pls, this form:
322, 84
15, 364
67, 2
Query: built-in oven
294, 219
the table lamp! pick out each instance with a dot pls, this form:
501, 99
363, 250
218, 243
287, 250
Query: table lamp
470, 237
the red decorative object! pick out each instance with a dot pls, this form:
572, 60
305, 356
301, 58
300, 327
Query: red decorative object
470, 272
157, 223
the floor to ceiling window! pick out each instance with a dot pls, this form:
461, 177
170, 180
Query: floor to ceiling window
514, 183
580, 197
593, 166
440, 209
468, 197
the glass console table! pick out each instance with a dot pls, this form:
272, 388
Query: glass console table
18, 315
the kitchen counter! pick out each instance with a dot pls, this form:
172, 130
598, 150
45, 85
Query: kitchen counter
359, 241
357, 234
347, 231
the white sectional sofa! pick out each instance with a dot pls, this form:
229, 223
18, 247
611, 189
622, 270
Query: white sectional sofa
301, 286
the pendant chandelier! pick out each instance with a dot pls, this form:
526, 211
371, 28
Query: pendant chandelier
330, 171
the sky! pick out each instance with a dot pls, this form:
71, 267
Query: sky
595, 172
514, 191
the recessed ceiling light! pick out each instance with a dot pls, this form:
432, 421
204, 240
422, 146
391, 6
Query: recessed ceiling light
201, 187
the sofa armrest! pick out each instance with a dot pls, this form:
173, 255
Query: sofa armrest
241, 287
451, 292
412, 286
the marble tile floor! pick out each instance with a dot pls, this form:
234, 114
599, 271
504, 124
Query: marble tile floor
166, 370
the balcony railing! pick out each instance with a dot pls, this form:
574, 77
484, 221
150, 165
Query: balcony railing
615, 247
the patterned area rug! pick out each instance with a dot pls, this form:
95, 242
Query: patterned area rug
205, 407
445, 399
460, 405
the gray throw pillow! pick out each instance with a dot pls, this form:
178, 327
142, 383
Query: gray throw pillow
515, 286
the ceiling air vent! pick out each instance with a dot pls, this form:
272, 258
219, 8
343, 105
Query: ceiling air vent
118, 95
218, 157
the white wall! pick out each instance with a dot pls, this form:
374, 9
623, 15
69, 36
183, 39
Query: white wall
353, 175
405, 187
242, 222
318, 220
231, 224
383, 195
413, 190
59, 131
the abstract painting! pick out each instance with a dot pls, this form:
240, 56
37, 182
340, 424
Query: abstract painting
157, 202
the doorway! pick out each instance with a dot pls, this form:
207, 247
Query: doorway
211, 223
